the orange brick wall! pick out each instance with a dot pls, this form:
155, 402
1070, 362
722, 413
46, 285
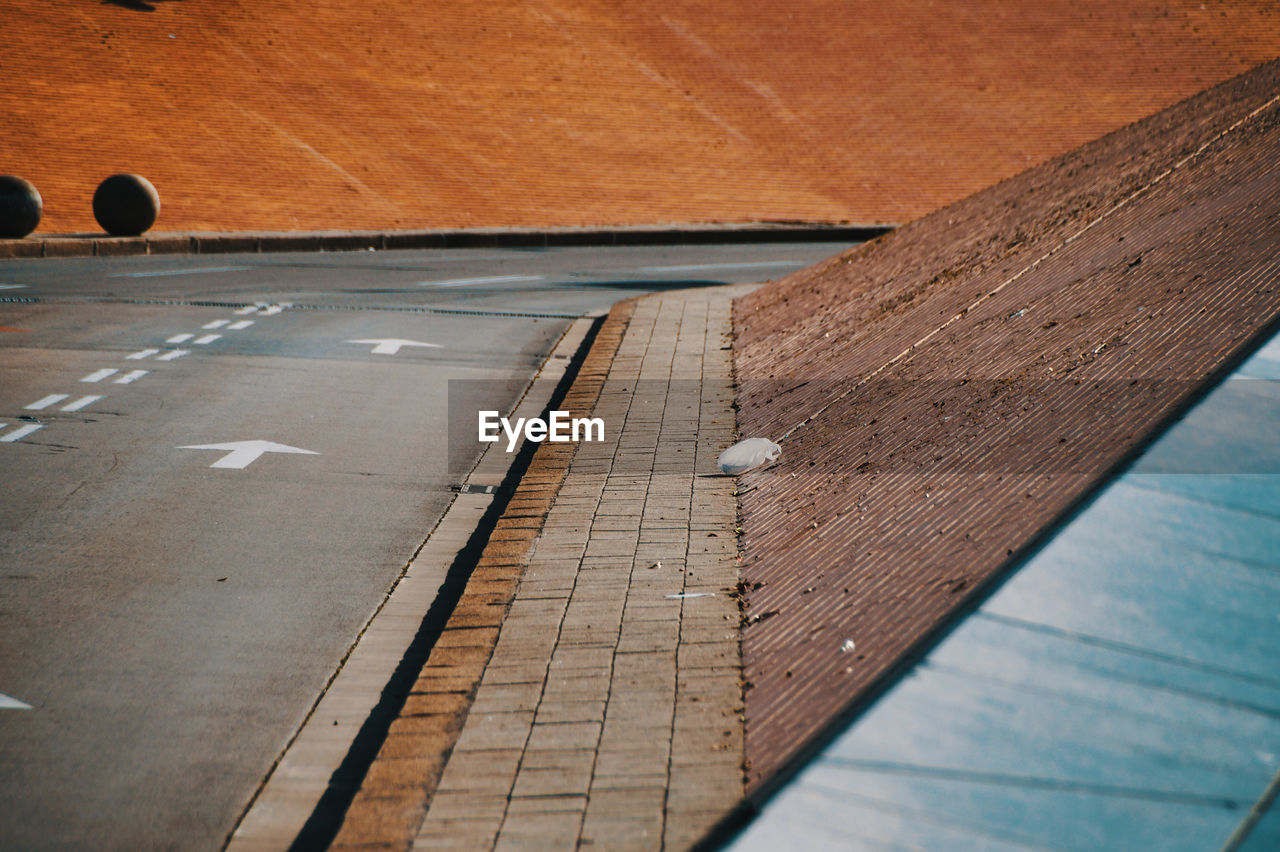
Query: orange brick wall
394, 114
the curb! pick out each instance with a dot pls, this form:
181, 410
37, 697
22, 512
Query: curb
301, 802
93, 245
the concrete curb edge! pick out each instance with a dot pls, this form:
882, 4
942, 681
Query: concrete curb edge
101, 245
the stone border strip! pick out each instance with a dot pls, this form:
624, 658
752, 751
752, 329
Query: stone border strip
320, 753
85, 245
393, 795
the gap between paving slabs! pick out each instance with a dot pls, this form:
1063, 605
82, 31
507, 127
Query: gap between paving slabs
302, 801
576, 697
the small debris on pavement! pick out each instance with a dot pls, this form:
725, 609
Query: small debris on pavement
748, 454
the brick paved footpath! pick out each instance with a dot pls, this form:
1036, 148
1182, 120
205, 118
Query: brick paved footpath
609, 712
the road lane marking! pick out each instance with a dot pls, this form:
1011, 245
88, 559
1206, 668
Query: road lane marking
8, 702
99, 375
495, 279
82, 403
391, 345
240, 326
241, 454
145, 353
131, 377
21, 432
174, 354
12, 286
699, 267
179, 338
215, 324
164, 272
207, 339
49, 400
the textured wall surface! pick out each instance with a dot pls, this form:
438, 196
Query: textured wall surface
952, 388
396, 114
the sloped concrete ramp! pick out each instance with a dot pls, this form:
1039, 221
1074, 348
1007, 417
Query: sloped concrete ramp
945, 394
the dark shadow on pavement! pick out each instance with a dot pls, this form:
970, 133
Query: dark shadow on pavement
135, 5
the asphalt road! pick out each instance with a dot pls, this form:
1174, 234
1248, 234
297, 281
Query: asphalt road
169, 611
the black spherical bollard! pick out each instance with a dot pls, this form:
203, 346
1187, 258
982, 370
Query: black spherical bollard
20, 207
126, 205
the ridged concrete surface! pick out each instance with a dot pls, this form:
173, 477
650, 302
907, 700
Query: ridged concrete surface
391, 114
952, 388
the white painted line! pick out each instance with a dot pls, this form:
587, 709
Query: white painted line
496, 279
698, 267
99, 375
180, 338
272, 310
22, 432
164, 272
48, 401
207, 339
82, 403
174, 354
241, 454
8, 702
145, 353
391, 345
12, 286
240, 326
247, 309
215, 324
131, 377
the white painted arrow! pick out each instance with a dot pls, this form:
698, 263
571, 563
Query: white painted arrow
391, 345
241, 454
9, 703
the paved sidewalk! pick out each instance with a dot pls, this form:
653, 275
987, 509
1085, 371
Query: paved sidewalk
610, 710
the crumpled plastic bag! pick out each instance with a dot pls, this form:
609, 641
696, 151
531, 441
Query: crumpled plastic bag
748, 454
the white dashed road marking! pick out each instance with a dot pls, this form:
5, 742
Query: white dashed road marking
174, 354
20, 433
145, 353
131, 377
82, 403
51, 399
180, 338
99, 375
207, 339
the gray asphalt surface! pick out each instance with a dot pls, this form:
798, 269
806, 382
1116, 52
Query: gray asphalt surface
168, 623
